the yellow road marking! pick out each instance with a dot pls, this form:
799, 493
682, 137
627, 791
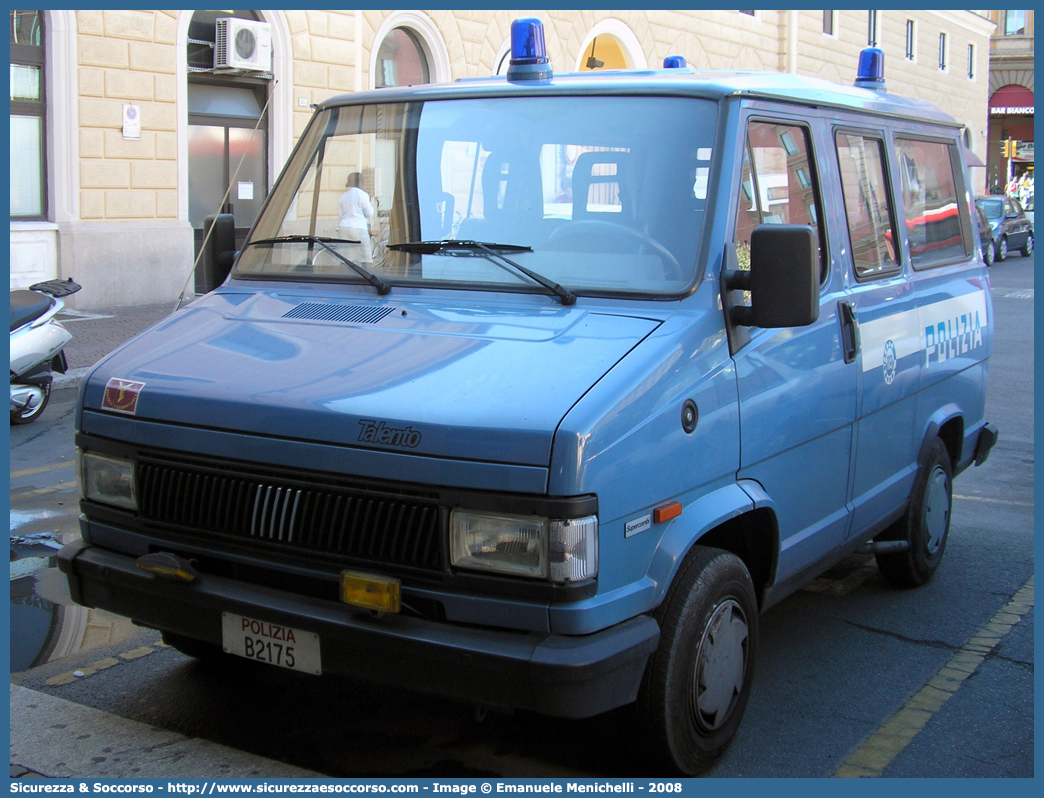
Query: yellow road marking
992, 501
40, 491
82, 673
879, 750
41, 470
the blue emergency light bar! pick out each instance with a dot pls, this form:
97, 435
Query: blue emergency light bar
870, 72
675, 62
529, 59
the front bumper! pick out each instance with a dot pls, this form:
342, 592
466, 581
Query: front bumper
565, 676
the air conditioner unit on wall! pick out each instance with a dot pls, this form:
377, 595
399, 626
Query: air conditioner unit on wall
243, 44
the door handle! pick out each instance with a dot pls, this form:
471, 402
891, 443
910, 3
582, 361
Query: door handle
849, 331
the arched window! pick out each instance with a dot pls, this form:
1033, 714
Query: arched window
610, 44
28, 117
401, 60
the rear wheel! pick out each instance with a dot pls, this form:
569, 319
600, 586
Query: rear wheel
697, 683
925, 526
1002, 248
1027, 248
29, 414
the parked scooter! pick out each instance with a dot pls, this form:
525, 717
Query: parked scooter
37, 346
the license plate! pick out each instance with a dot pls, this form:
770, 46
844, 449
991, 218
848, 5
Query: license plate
272, 643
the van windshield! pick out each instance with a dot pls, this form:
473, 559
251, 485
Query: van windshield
583, 195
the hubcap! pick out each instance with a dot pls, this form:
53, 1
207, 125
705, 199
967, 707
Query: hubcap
721, 664
936, 511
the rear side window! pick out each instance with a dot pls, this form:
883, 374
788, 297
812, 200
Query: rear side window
932, 213
868, 207
776, 185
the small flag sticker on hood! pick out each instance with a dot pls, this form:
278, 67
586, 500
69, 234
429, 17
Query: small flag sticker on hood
122, 395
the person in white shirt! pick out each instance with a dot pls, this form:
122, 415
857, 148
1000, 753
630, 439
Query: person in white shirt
356, 212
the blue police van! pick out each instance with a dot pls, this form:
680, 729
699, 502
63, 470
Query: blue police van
623, 360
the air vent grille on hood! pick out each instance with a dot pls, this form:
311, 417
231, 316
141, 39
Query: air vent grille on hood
325, 311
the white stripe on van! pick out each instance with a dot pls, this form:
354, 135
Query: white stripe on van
940, 331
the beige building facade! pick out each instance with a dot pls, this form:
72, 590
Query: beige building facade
128, 109
1010, 132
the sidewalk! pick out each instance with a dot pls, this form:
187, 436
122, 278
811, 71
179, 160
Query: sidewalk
97, 332
54, 738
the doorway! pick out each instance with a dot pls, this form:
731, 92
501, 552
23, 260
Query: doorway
228, 163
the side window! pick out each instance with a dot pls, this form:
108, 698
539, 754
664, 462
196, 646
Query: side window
934, 222
868, 207
777, 184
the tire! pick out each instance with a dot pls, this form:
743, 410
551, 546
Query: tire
1027, 248
708, 639
926, 524
197, 649
1002, 249
989, 253
29, 416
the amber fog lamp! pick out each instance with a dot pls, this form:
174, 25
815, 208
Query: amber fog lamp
378, 593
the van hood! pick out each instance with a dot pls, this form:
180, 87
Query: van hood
487, 382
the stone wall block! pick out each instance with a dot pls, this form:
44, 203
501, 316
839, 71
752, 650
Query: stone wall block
90, 22
130, 149
137, 25
92, 82
167, 204
92, 204
332, 51
154, 174
149, 57
316, 22
92, 143
103, 52
128, 86
341, 26
104, 174
166, 146
101, 113
130, 205
309, 74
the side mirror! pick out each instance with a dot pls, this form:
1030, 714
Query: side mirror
783, 280
219, 249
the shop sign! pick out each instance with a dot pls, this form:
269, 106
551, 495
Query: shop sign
1012, 110
1024, 150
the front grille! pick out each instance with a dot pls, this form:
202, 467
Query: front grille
304, 518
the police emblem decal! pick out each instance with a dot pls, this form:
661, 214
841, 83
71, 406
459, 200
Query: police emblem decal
888, 362
122, 395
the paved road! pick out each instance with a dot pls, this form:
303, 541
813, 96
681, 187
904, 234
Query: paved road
854, 676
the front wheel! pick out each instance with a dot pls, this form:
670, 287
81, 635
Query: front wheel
989, 253
1027, 248
926, 525
697, 682
31, 412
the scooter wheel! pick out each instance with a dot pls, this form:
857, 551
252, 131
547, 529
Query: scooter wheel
29, 415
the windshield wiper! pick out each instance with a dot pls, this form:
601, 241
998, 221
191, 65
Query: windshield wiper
489, 250
381, 286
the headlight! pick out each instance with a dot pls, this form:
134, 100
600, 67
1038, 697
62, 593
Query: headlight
541, 548
107, 480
